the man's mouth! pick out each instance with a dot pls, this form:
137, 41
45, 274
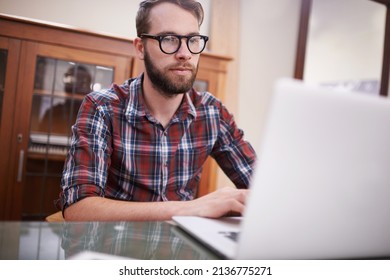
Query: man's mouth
181, 70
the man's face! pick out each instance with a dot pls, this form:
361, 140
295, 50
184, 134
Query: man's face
167, 82
171, 74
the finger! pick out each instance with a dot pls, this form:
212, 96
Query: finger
242, 195
236, 207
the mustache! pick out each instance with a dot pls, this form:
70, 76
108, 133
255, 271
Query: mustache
188, 66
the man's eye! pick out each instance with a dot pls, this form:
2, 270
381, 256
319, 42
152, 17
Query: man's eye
169, 39
194, 40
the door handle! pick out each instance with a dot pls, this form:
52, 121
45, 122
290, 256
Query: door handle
20, 166
19, 139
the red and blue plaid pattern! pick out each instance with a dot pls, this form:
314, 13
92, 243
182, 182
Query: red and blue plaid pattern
120, 151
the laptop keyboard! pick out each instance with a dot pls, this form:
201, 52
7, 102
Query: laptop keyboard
233, 235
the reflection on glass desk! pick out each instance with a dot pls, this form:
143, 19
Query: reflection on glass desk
136, 240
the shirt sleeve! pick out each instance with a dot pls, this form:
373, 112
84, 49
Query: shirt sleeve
232, 152
85, 169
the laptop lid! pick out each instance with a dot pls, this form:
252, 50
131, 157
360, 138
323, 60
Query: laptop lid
321, 189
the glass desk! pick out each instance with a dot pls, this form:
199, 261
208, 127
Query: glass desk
136, 240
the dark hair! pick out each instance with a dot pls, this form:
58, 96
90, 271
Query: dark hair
143, 21
79, 80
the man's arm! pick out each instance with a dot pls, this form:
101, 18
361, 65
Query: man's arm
232, 152
225, 201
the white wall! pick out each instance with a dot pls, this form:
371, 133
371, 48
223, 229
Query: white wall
269, 31
115, 17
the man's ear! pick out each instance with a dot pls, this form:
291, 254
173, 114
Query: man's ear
139, 47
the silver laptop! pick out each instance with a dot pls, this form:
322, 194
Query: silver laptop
321, 188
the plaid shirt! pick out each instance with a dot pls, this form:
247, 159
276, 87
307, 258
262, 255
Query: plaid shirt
120, 151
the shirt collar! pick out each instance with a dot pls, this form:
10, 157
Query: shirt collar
136, 106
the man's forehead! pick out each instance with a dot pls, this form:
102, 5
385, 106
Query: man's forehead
168, 17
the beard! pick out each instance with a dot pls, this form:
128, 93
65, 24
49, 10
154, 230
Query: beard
169, 86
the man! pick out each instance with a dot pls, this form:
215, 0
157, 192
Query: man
138, 149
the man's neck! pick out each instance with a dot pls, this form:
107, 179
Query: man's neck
161, 106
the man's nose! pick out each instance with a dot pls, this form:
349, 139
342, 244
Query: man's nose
183, 52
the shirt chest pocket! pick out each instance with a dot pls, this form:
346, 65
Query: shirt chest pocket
190, 160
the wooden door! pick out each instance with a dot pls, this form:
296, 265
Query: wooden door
9, 60
52, 83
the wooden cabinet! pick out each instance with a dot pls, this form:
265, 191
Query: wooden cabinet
9, 61
46, 70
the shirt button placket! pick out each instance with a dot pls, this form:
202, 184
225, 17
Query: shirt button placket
164, 160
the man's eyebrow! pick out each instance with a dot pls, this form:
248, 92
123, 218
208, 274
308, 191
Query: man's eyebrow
175, 33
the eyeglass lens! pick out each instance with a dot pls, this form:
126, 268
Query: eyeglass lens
171, 43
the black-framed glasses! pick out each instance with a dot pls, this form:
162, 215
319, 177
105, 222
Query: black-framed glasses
170, 43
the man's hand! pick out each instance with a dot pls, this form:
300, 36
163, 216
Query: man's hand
223, 202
